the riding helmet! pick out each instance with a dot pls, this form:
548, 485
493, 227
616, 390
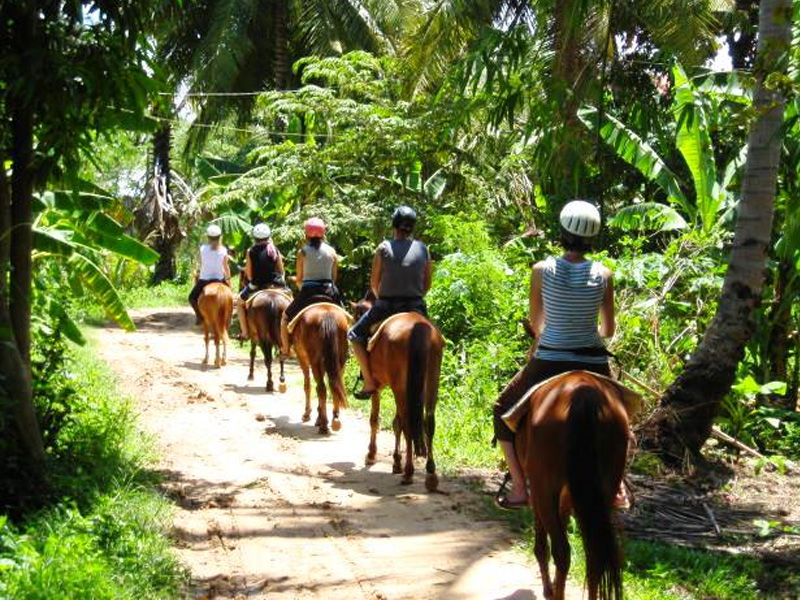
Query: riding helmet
314, 227
580, 218
261, 232
404, 216
213, 231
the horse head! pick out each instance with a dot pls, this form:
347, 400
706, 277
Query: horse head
363, 305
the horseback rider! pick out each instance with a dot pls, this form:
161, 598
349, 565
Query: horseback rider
400, 278
567, 294
213, 267
263, 269
316, 270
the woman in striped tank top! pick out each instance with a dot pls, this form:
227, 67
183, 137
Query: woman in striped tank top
567, 295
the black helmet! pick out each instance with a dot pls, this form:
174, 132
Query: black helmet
404, 216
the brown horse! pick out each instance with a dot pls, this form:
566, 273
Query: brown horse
572, 445
406, 356
264, 322
216, 307
319, 335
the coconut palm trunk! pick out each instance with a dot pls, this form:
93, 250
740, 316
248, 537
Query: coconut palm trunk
688, 407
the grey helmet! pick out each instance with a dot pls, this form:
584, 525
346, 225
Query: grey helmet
404, 216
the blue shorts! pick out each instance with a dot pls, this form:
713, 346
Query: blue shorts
382, 310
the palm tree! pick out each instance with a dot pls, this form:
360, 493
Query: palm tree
222, 51
688, 407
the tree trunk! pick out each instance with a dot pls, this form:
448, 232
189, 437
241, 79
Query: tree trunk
163, 219
15, 301
689, 405
281, 66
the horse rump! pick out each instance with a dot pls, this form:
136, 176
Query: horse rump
418, 358
590, 501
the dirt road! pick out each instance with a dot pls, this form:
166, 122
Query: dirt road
268, 508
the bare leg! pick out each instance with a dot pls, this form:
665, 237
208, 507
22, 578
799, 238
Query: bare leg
285, 344
518, 490
362, 356
240, 310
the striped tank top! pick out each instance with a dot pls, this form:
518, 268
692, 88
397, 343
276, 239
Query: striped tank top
572, 294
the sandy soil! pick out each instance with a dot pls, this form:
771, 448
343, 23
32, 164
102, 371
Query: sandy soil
268, 508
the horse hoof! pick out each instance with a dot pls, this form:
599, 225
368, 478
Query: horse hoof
431, 482
323, 430
369, 460
397, 469
336, 425
217, 364
270, 387
282, 387
250, 377
223, 362
306, 417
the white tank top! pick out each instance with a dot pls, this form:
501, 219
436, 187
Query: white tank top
212, 262
318, 262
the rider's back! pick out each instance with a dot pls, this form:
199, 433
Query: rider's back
403, 268
318, 262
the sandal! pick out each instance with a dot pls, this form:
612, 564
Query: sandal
364, 394
501, 499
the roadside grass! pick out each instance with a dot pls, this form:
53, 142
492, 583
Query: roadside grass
163, 295
103, 533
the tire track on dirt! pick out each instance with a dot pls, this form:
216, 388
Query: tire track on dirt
266, 508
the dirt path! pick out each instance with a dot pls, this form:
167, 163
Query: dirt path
267, 508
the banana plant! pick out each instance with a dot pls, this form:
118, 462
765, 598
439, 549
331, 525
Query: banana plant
73, 233
712, 195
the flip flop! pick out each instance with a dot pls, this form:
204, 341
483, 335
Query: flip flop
504, 503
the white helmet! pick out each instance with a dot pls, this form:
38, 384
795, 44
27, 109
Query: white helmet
261, 231
213, 231
580, 218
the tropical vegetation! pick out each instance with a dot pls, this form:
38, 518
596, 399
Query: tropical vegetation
126, 126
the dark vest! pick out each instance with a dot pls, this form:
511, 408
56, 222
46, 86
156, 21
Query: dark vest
263, 265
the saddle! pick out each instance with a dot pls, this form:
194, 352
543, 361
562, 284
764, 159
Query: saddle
377, 328
286, 293
630, 399
293, 322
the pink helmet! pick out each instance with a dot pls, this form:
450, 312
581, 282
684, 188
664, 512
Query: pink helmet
315, 227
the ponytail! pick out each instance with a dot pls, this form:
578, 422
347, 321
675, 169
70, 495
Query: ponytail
315, 242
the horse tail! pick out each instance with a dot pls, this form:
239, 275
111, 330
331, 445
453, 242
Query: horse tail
273, 320
334, 349
418, 355
224, 310
591, 505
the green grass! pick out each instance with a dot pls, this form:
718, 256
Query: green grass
163, 295
103, 533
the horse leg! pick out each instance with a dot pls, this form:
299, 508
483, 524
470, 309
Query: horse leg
559, 545
397, 466
217, 359
408, 473
266, 350
431, 479
306, 388
225, 342
322, 399
205, 334
338, 392
542, 552
374, 423
252, 359
282, 378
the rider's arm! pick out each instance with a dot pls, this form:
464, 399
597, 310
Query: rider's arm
226, 268
199, 266
607, 321
248, 268
536, 306
335, 269
298, 269
377, 271
427, 276
279, 265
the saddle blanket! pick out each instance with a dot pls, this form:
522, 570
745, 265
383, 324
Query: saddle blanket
294, 321
630, 399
